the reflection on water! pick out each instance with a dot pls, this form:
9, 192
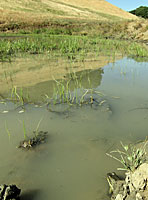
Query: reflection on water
90, 78
73, 163
34, 70
140, 59
87, 79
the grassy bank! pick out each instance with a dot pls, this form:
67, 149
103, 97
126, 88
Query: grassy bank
71, 47
119, 29
67, 26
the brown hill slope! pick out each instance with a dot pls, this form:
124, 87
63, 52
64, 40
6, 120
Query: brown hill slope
101, 6
92, 9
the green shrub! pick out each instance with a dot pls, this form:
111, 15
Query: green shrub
142, 11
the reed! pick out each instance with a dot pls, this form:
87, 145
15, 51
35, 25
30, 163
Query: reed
71, 47
71, 92
7, 130
18, 95
24, 130
36, 130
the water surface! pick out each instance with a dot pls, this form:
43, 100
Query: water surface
72, 164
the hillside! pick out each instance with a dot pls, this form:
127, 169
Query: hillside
47, 9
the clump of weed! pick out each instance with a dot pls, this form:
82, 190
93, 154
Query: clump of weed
130, 157
34, 141
38, 138
71, 92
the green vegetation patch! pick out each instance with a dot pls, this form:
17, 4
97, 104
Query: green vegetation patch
71, 47
142, 11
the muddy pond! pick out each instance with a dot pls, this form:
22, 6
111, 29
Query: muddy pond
72, 164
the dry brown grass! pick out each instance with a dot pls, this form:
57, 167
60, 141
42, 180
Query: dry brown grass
138, 29
33, 12
89, 16
101, 6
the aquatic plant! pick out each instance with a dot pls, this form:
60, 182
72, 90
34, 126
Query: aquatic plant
18, 95
35, 131
24, 130
131, 157
70, 47
7, 130
70, 91
78, 97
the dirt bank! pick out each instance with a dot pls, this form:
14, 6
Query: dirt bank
135, 184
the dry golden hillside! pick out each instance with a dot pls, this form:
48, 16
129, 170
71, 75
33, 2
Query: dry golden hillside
47, 9
101, 6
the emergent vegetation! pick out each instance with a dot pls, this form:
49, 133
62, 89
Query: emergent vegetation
71, 47
130, 157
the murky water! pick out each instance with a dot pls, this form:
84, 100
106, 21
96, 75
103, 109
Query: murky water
72, 164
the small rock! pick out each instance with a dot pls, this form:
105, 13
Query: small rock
119, 197
132, 196
138, 196
139, 177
